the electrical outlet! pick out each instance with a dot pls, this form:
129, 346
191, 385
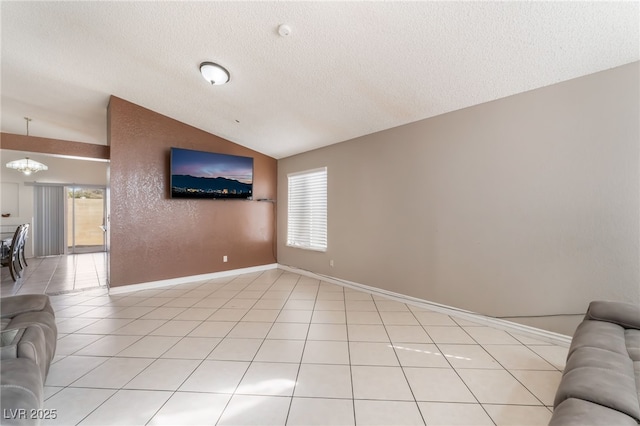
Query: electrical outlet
331, 263
224, 258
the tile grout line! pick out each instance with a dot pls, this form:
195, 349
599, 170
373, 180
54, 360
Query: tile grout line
453, 368
258, 288
304, 346
404, 373
155, 359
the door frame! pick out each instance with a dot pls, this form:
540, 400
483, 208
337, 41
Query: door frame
70, 248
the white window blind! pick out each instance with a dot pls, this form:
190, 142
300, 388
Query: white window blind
307, 212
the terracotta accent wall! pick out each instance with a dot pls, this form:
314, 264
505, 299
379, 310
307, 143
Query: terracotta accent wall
154, 237
53, 146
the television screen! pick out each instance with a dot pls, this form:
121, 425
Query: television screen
199, 174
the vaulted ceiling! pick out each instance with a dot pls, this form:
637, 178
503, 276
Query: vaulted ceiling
346, 69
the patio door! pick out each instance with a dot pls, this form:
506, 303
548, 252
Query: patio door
86, 219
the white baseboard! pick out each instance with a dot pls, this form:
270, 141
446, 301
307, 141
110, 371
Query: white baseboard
191, 278
532, 332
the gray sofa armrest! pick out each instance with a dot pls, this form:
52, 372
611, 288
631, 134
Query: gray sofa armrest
30, 343
21, 391
624, 314
9, 340
14, 305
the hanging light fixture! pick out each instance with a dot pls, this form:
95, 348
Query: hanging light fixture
214, 73
27, 165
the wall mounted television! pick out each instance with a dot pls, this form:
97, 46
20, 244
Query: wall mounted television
210, 175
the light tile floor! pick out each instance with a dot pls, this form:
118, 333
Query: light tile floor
57, 274
277, 348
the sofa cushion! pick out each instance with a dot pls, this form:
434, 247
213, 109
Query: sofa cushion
598, 334
601, 358
636, 372
576, 412
28, 337
21, 391
625, 314
14, 305
602, 377
632, 340
4, 322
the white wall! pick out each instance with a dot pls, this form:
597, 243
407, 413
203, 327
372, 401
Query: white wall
17, 198
526, 207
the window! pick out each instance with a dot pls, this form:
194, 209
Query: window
307, 213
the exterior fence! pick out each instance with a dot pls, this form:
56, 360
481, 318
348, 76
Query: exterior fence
89, 215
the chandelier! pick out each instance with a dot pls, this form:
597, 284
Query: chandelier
27, 165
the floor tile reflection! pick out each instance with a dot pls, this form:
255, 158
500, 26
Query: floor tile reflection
283, 349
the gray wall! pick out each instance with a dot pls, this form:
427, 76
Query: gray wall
527, 206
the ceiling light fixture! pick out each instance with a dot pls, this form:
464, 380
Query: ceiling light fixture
214, 73
27, 165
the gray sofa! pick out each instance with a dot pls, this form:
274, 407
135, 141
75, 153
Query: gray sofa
28, 344
601, 381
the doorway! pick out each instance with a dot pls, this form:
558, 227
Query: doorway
86, 212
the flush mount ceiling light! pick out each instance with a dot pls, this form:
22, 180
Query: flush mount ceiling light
26, 165
214, 73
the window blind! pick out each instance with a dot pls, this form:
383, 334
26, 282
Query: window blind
48, 220
307, 209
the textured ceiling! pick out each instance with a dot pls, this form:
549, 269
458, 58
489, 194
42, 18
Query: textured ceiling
347, 69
